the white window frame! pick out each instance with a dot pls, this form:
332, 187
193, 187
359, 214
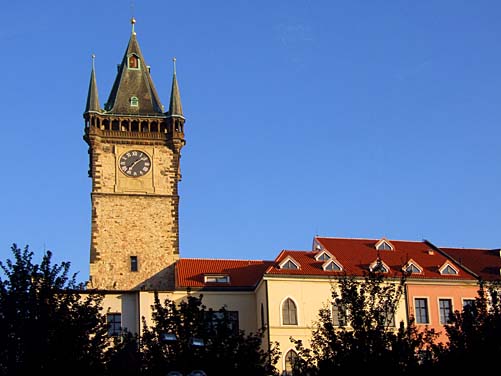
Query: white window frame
291, 259
324, 252
439, 299
380, 243
329, 262
427, 299
375, 262
415, 264
216, 278
445, 266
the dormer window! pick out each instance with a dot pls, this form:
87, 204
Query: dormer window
217, 279
134, 101
412, 268
447, 269
384, 245
331, 266
133, 62
379, 266
289, 263
323, 256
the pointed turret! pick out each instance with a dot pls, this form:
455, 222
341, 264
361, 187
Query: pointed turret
133, 91
175, 107
92, 97
176, 120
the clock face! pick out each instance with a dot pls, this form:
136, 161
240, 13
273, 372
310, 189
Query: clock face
135, 163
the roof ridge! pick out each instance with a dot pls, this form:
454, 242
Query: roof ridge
470, 248
374, 239
221, 259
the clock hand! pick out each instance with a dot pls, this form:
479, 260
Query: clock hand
136, 162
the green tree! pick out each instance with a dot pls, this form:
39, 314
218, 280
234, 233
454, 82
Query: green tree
367, 338
46, 325
219, 348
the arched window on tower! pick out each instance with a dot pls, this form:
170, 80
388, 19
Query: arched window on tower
133, 62
289, 312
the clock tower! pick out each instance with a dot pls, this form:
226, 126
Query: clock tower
134, 152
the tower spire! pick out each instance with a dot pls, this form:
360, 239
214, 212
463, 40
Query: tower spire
92, 96
133, 91
175, 107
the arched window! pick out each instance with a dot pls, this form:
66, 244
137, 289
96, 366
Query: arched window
289, 312
133, 62
290, 360
134, 101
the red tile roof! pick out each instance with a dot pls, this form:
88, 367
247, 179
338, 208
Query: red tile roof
353, 255
356, 255
243, 274
486, 263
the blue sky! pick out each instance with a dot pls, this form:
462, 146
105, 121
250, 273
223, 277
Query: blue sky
341, 118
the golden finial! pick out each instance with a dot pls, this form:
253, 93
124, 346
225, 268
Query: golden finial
133, 21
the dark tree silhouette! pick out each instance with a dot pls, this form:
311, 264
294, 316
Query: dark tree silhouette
366, 339
204, 339
45, 324
474, 332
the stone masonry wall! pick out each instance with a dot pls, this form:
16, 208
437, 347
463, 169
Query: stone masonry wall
133, 217
131, 225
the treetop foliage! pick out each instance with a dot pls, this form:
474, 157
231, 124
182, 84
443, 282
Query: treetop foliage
45, 325
224, 348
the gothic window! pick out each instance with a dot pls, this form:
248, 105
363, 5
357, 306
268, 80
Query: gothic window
134, 101
289, 312
290, 360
